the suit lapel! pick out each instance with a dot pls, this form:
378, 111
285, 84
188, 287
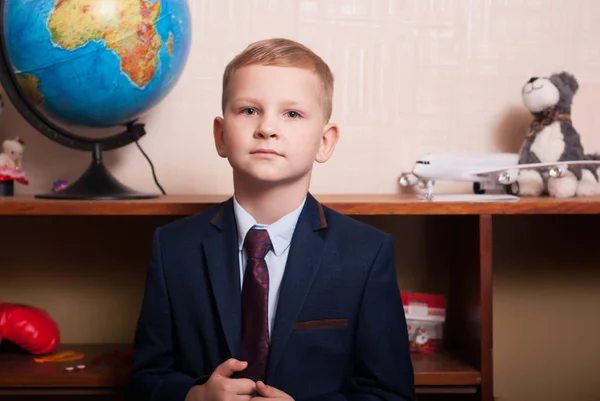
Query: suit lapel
223, 268
302, 265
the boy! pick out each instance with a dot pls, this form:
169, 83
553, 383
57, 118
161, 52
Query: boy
270, 294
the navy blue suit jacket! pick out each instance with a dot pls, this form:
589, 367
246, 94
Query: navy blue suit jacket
339, 332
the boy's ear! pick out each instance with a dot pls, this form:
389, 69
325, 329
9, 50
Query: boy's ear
218, 136
328, 141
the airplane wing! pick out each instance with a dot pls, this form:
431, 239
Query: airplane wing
473, 198
531, 166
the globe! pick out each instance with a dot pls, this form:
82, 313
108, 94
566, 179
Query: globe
91, 63
96, 63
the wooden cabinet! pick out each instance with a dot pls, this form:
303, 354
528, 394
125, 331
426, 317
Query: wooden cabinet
455, 242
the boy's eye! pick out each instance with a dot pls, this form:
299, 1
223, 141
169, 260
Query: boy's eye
249, 111
293, 114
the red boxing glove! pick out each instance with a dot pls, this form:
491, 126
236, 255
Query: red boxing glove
29, 327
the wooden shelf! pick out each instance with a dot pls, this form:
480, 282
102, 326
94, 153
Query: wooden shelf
348, 204
107, 367
441, 369
464, 247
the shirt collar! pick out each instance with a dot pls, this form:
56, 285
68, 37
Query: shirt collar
280, 231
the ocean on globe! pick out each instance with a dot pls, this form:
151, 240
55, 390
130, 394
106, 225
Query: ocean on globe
96, 63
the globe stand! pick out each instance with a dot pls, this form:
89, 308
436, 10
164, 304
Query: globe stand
97, 183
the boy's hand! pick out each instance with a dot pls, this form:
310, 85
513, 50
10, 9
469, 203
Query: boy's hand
270, 392
220, 386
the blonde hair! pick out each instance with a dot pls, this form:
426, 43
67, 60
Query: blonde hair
283, 53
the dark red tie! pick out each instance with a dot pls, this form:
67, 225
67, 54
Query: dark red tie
255, 300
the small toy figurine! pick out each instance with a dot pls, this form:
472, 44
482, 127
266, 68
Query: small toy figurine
11, 166
12, 153
59, 185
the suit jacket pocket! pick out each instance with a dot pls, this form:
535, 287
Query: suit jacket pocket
321, 324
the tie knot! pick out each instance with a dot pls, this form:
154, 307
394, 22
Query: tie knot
257, 243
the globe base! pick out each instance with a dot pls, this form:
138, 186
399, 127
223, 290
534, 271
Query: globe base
97, 183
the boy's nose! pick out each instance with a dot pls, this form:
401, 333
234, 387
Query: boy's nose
265, 132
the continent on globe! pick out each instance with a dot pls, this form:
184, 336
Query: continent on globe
31, 86
170, 44
127, 28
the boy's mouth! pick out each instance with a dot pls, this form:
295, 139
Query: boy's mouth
265, 152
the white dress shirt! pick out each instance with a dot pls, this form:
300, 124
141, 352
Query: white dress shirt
280, 233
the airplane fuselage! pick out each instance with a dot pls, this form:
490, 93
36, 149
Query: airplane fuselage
457, 166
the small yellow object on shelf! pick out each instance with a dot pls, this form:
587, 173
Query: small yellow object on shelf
67, 356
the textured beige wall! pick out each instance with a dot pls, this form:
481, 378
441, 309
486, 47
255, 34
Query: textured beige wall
413, 76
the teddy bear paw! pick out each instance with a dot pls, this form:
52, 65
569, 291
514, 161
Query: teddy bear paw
530, 183
588, 186
563, 187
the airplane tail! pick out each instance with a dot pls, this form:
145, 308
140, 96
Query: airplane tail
590, 186
591, 156
593, 168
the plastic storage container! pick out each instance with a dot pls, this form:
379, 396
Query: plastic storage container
425, 317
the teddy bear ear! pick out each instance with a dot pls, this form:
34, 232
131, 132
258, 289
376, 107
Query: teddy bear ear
569, 80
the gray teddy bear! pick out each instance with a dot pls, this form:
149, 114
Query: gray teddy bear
551, 138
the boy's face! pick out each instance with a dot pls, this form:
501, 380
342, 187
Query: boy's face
273, 127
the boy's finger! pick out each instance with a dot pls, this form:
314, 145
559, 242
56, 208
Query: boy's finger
268, 391
229, 367
244, 387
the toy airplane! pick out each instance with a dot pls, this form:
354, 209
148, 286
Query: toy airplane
487, 171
